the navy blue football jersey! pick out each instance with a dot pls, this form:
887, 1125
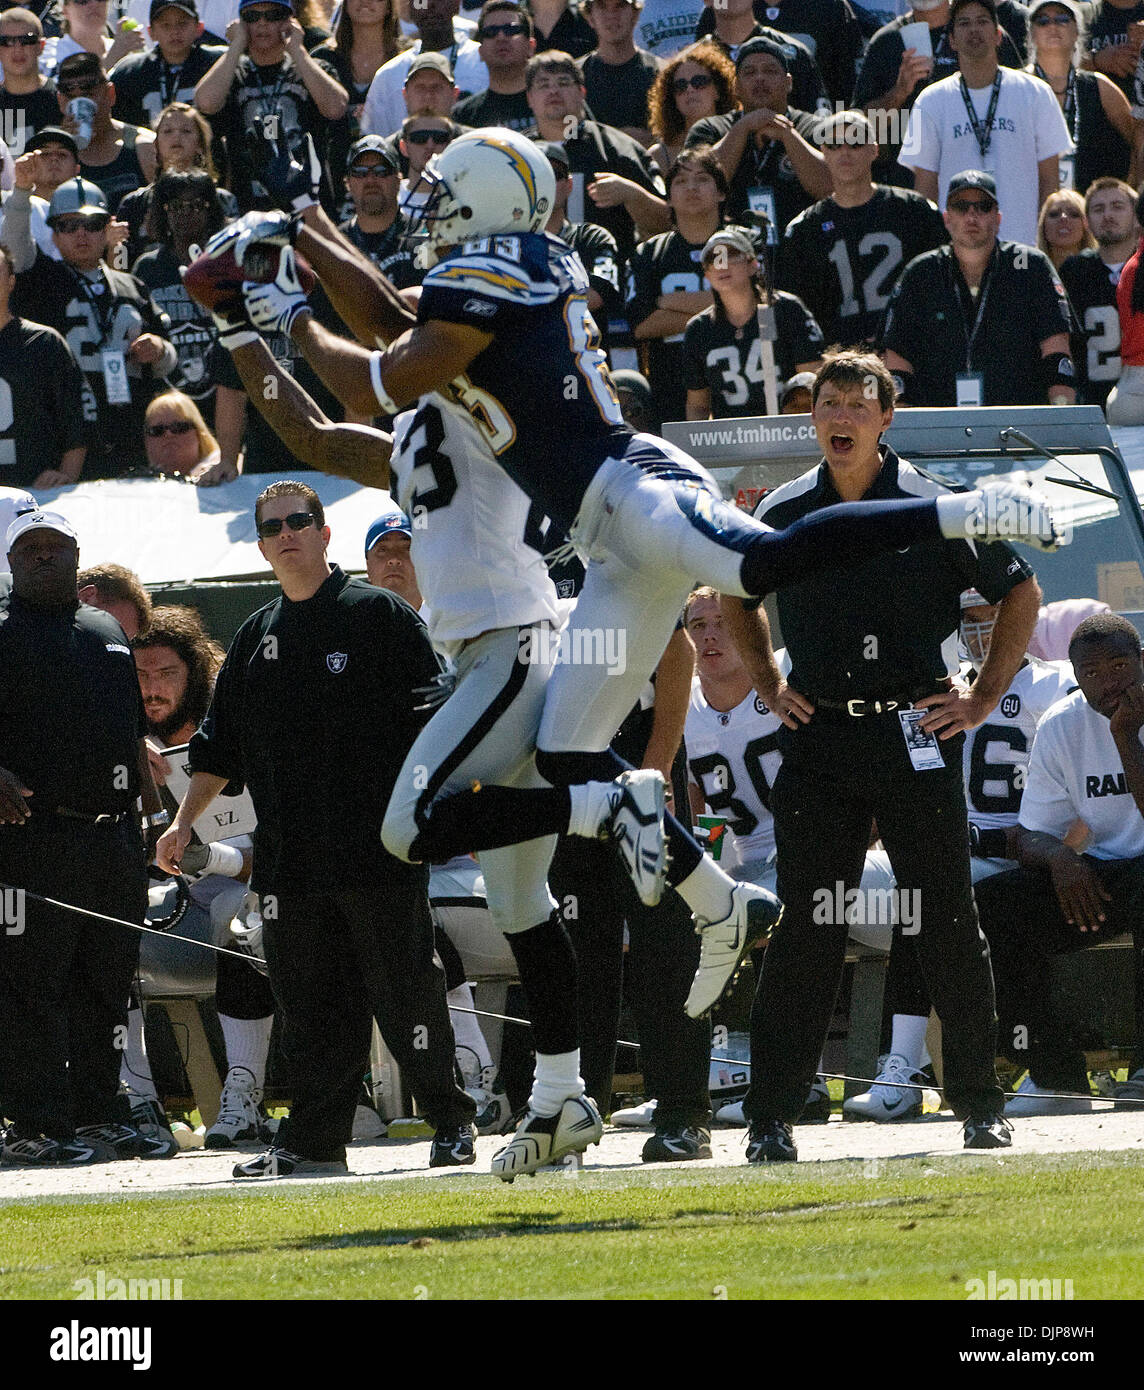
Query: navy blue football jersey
541, 390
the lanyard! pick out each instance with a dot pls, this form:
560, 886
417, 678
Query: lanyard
982, 300
983, 134
102, 305
1071, 104
168, 81
268, 105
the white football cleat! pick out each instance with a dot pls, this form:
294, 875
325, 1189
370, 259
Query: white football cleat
543, 1139
238, 1118
754, 915
634, 824
895, 1095
1031, 1101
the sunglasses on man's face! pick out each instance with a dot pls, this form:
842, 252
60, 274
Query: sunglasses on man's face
423, 137
81, 86
492, 31
68, 225
273, 14
362, 171
175, 427
1045, 19
699, 81
19, 40
964, 205
297, 521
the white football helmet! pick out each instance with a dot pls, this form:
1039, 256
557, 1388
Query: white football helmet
488, 182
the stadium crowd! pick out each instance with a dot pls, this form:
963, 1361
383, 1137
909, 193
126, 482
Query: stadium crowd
950, 185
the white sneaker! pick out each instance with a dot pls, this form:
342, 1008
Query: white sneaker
754, 915
731, 1115
238, 1119
635, 1116
893, 1096
1032, 1100
634, 824
542, 1140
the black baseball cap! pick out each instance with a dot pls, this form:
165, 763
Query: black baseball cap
53, 135
959, 5
972, 178
372, 144
761, 44
158, 6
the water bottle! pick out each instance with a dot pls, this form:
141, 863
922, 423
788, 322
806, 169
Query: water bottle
81, 110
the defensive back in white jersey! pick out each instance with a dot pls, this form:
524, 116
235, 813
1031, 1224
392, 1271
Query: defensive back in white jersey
996, 754
477, 540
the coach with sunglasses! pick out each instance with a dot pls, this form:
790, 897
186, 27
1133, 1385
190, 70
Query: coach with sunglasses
118, 337
314, 710
981, 321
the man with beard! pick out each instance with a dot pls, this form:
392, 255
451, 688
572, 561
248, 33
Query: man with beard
177, 662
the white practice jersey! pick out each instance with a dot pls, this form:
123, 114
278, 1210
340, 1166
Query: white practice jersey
477, 542
996, 756
1076, 771
733, 757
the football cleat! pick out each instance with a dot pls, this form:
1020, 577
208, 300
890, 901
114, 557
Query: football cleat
125, 1141
988, 1132
281, 1163
1031, 1101
453, 1147
754, 915
678, 1145
895, 1095
149, 1118
38, 1151
238, 1118
545, 1139
634, 824
771, 1141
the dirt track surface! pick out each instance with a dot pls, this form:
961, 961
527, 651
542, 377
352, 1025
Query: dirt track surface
197, 1170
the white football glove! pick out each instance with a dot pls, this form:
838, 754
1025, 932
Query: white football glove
275, 307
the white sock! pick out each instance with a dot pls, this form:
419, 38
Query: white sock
707, 890
591, 802
557, 1079
466, 1029
247, 1043
908, 1037
134, 1068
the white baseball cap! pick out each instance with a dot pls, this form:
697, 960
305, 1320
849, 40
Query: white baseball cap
40, 521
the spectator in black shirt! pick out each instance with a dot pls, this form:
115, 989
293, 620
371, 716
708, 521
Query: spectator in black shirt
843, 255
734, 26
618, 75
367, 35
694, 84
559, 27
828, 28
185, 212
120, 157
724, 363
504, 34
1114, 39
266, 86
763, 148
981, 321
147, 83
118, 337
41, 391
377, 227
27, 101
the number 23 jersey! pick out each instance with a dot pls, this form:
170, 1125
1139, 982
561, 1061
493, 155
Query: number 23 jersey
540, 390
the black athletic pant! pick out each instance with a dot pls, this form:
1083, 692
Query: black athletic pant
65, 980
1023, 921
338, 960
838, 775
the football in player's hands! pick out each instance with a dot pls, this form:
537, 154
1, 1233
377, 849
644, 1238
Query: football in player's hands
214, 278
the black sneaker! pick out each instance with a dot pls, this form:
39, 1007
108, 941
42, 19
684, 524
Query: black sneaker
37, 1151
150, 1119
988, 1132
677, 1144
281, 1163
453, 1147
771, 1141
125, 1141
816, 1111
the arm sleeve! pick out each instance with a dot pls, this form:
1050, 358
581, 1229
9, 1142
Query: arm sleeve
998, 568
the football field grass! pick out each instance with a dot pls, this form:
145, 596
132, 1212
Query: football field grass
916, 1228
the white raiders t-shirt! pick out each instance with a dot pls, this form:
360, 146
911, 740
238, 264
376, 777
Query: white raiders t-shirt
733, 758
665, 27
996, 750
1028, 126
1075, 770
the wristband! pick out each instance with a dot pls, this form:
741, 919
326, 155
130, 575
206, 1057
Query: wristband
1058, 370
384, 399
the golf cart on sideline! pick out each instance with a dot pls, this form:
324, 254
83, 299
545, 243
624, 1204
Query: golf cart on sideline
1066, 451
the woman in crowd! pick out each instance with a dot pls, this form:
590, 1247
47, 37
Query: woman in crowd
84, 29
182, 144
1062, 228
1096, 111
723, 360
176, 437
695, 84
